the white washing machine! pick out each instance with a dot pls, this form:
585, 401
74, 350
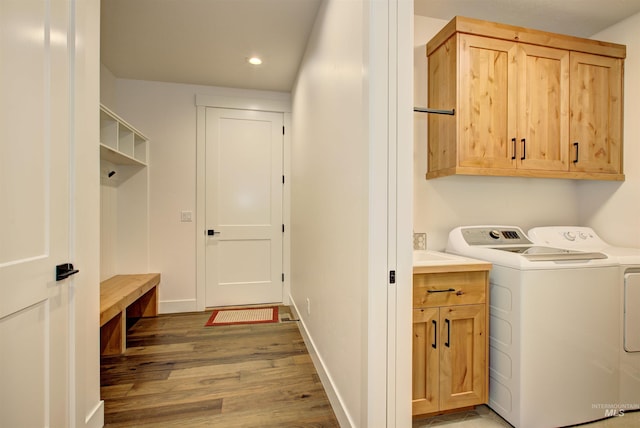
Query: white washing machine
553, 327
585, 238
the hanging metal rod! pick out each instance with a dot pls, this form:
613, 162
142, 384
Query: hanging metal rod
434, 111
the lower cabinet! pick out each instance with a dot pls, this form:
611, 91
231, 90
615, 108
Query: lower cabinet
450, 346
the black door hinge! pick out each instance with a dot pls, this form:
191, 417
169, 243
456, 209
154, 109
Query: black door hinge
283, 228
392, 277
283, 130
283, 277
283, 179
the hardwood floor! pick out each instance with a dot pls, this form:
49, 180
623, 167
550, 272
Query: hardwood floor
176, 372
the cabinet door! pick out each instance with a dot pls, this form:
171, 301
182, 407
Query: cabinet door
543, 108
596, 113
425, 360
463, 356
487, 96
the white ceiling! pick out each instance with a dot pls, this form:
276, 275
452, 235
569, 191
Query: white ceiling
207, 42
581, 18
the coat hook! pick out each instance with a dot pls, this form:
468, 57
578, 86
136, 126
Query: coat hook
111, 174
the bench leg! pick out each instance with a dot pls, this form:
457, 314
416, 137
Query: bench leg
145, 306
113, 335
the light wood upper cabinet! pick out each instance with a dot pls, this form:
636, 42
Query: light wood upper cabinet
522, 98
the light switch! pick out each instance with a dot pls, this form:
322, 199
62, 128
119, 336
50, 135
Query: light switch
185, 216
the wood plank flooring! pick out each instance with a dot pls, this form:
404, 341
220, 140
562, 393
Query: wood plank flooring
176, 372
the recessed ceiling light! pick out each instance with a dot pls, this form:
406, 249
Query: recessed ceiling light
255, 60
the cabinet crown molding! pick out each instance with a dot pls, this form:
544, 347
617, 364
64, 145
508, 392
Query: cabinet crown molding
460, 24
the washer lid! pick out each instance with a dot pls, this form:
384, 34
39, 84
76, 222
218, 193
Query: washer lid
543, 254
583, 239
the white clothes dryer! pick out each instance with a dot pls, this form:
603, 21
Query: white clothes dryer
553, 327
586, 239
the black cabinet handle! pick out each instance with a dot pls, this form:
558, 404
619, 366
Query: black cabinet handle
524, 149
448, 342
65, 270
513, 141
211, 232
576, 145
434, 345
448, 290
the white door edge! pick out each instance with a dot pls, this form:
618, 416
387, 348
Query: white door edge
403, 84
391, 142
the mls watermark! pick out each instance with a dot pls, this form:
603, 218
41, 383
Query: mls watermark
615, 409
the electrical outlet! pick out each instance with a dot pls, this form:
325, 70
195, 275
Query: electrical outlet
419, 241
308, 306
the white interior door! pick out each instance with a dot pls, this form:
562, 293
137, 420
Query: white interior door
243, 207
34, 219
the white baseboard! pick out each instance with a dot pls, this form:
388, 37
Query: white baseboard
95, 419
335, 399
177, 306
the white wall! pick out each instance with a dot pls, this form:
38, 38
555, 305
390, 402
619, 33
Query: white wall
107, 87
444, 203
329, 200
166, 114
613, 209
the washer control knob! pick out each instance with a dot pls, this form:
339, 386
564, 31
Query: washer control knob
570, 236
583, 235
494, 234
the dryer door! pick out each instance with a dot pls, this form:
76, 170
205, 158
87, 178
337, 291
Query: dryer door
632, 312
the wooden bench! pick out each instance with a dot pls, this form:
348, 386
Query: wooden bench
125, 296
